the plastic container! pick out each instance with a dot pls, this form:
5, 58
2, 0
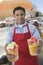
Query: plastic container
12, 50
32, 48
33, 44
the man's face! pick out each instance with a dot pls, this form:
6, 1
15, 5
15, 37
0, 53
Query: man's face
19, 16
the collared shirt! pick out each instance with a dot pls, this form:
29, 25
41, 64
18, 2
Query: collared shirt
22, 29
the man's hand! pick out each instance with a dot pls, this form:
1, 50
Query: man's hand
8, 56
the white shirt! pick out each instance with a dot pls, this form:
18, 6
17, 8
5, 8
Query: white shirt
22, 29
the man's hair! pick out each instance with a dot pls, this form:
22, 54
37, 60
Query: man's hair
18, 8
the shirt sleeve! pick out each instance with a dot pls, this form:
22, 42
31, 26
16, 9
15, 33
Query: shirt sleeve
9, 36
34, 32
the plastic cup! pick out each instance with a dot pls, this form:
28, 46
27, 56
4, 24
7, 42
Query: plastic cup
32, 48
13, 55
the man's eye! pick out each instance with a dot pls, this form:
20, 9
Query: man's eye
17, 15
22, 14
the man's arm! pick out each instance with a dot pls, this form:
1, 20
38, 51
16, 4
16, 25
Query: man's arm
9, 37
35, 33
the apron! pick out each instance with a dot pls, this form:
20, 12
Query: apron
24, 57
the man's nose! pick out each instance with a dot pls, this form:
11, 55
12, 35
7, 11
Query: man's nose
20, 16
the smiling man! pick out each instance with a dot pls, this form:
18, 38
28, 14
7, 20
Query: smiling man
19, 33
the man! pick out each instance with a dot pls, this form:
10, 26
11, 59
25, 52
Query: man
19, 33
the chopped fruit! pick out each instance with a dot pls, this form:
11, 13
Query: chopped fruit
12, 50
33, 44
34, 39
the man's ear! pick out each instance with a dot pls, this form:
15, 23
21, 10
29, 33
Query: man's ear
13, 15
25, 15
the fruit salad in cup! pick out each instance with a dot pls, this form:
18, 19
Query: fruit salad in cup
33, 44
12, 50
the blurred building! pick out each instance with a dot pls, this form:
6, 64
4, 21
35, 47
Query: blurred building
7, 6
